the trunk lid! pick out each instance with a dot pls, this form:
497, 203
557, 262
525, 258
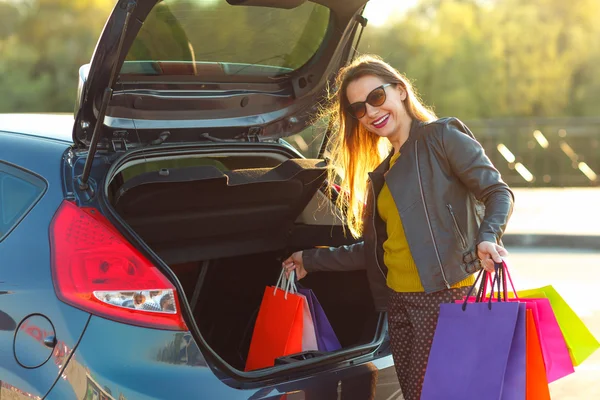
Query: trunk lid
164, 70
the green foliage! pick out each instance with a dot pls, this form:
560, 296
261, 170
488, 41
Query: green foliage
470, 58
497, 58
9, 16
41, 51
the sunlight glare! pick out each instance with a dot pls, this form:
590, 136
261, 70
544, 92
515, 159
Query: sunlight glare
378, 11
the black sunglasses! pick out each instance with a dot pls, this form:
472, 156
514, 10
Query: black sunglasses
376, 98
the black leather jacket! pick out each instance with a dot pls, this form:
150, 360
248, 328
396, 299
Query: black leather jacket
439, 183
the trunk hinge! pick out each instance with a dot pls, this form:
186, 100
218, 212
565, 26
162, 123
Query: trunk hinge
119, 141
253, 134
82, 180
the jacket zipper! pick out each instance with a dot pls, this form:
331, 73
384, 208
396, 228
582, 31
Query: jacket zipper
375, 231
458, 231
437, 253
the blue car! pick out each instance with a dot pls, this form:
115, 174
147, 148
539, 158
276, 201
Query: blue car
138, 235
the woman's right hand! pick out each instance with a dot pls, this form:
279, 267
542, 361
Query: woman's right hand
294, 262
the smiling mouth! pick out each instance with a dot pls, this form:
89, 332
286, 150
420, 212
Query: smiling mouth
381, 121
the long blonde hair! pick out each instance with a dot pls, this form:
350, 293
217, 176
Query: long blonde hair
354, 151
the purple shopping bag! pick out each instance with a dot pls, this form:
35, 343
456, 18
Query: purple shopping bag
326, 338
515, 384
478, 352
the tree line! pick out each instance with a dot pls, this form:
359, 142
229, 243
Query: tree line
476, 59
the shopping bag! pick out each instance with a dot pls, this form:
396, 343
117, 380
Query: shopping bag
515, 380
579, 340
309, 337
326, 337
537, 381
554, 348
471, 349
278, 329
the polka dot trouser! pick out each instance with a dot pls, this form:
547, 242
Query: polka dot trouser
412, 318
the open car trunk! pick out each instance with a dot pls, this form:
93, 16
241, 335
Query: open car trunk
224, 223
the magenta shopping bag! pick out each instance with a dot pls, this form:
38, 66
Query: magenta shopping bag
478, 352
554, 347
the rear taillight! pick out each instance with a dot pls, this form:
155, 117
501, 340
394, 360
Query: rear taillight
95, 269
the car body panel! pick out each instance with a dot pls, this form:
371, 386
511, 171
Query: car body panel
168, 365
25, 279
112, 359
49, 126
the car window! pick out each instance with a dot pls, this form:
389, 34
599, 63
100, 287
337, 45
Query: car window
19, 191
244, 40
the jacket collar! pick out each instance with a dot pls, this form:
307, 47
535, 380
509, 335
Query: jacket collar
415, 130
412, 135
384, 166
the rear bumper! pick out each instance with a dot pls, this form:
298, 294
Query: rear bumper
119, 361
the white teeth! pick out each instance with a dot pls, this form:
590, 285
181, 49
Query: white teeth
380, 120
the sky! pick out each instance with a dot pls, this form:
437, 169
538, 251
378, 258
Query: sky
378, 11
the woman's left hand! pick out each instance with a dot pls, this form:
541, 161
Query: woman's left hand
489, 253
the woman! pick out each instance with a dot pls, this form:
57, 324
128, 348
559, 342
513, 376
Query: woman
422, 235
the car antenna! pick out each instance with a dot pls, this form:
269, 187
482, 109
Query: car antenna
82, 180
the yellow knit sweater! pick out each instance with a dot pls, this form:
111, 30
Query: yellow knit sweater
403, 275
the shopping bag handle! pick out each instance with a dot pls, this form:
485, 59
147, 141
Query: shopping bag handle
484, 274
286, 284
487, 279
512, 285
477, 298
502, 282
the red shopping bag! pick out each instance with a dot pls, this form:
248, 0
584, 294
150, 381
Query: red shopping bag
278, 329
537, 381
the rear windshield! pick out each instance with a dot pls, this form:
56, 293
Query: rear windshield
250, 40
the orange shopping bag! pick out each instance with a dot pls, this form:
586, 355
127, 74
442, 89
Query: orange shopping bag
536, 380
278, 329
